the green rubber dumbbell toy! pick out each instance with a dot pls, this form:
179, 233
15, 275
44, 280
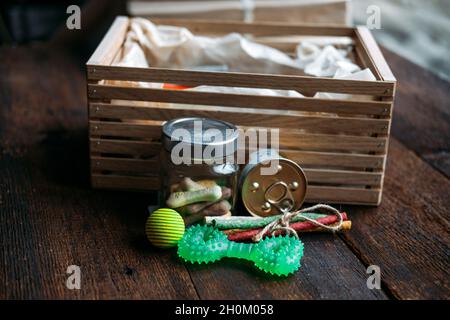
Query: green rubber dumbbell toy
278, 255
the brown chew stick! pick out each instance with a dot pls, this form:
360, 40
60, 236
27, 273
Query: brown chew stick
346, 225
247, 235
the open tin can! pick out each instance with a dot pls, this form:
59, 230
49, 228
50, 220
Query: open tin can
271, 184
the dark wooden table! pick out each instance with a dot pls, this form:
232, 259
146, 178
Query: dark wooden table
50, 218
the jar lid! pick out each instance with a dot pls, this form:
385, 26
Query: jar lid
266, 195
198, 134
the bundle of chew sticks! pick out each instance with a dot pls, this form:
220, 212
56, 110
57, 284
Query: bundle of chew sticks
244, 228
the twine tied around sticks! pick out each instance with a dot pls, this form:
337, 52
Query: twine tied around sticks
283, 222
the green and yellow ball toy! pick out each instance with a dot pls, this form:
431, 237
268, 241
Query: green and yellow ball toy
164, 228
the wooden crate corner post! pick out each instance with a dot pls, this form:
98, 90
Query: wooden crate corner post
373, 58
104, 55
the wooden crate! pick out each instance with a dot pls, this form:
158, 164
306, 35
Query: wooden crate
343, 149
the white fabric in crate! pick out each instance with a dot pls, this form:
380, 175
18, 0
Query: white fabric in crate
174, 47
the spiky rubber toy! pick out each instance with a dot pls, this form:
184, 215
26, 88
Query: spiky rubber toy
278, 255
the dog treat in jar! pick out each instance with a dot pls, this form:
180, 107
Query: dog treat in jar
198, 167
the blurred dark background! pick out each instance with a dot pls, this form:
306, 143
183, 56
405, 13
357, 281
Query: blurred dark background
415, 29
28, 22
25, 21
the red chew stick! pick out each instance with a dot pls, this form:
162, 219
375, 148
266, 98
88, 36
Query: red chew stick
247, 235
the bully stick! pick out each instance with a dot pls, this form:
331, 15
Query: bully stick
247, 235
346, 225
246, 222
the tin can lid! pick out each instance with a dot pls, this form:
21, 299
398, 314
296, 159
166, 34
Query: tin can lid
266, 195
199, 133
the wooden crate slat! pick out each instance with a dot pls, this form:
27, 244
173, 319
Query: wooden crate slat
150, 166
343, 195
345, 107
318, 176
288, 138
332, 159
266, 28
135, 148
311, 158
314, 194
333, 12
238, 79
295, 140
304, 158
341, 177
248, 117
119, 129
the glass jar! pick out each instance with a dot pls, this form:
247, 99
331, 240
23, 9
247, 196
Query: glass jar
198, 167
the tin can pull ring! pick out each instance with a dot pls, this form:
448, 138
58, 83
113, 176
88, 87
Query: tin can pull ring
283, 202
264, 195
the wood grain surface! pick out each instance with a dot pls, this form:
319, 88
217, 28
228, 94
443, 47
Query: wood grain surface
408, 234
50, 218
422, 112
